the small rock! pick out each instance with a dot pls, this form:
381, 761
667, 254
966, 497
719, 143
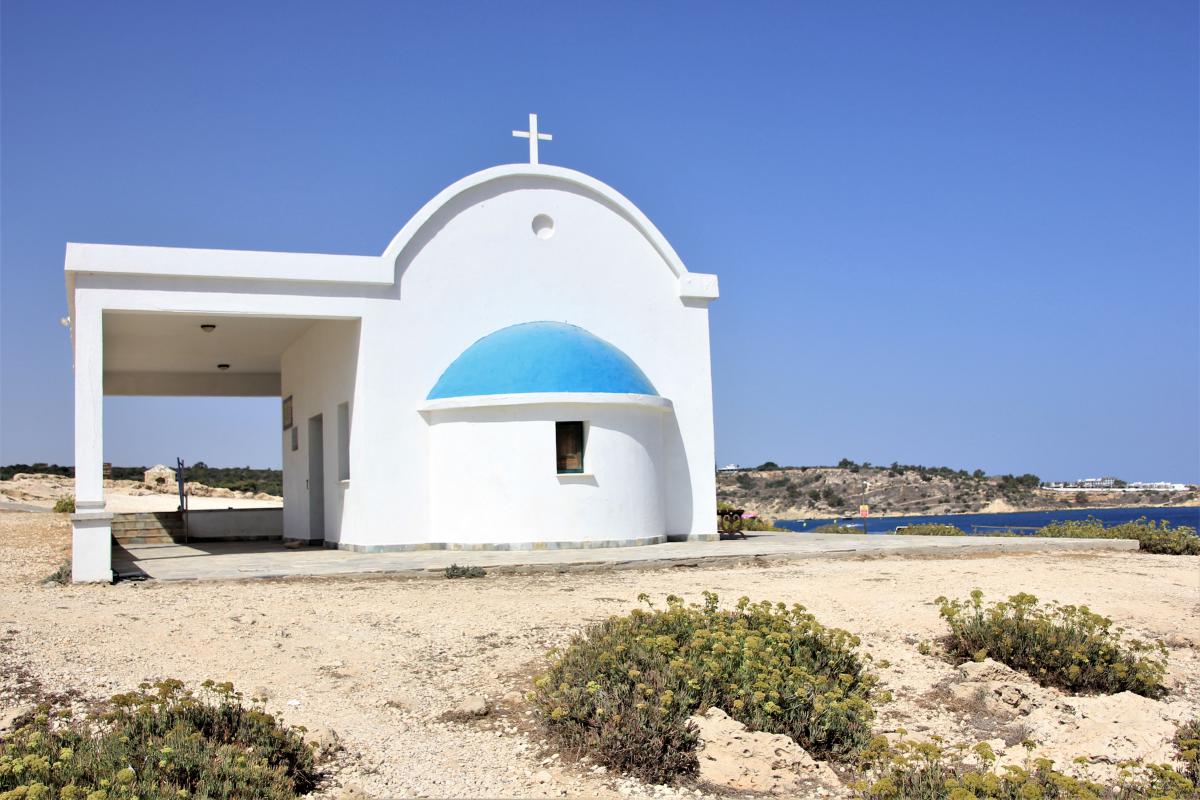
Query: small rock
513, 698
262, 693
735, 758
994, 697
543, 776
294, 703
1013, 696
473, 706
987, 670
1107, 729
352, 792
1178, 640
9, 717
324, 740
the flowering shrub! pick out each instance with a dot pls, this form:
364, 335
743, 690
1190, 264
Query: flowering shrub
932, 771
158, 742
623, 690
1065, 646
930, 530
1187, 742
753, 522
60, 576
833, 527
1152, 537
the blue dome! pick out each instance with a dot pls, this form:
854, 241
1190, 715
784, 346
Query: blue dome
541, 357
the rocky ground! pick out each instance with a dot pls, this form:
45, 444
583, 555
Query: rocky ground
399, 670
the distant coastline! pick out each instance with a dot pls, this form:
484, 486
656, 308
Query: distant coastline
802, 493
1005, 510
1019, 522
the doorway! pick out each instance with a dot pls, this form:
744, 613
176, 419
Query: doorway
316, 479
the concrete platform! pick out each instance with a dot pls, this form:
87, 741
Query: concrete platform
241, 560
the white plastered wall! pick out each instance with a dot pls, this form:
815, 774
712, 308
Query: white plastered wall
477, 266
494, 479
319, 372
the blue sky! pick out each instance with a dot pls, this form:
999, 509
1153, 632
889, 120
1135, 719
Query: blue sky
946, 233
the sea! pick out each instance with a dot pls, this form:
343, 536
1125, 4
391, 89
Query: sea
1019, 522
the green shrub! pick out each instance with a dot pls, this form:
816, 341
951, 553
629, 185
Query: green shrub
60, 576
930, 530
1152, 537
759, 524
832, 497
158, 742
833, 527
64, 505
931, 771
1065, 646
455, 571
1187, 743
623, 690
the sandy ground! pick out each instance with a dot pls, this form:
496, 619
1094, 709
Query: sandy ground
380, 660
29, 492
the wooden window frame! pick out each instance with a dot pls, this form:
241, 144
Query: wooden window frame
567, 428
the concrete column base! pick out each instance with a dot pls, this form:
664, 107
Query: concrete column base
91, 547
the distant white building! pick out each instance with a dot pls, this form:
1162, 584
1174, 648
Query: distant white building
525, 366
1096, 483
1158, 486
1116, 485
729, 468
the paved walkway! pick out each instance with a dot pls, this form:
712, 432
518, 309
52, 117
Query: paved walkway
237, 560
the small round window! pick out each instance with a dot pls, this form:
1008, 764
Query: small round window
543, 226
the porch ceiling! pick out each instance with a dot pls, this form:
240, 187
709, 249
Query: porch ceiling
170, 354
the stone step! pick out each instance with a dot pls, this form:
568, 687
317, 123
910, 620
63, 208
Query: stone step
149, 538
147, 524
145, 516
162, 520
148, 527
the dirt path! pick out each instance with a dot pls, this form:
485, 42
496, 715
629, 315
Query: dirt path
381, 660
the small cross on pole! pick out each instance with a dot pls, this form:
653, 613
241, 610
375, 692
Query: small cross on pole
532, 135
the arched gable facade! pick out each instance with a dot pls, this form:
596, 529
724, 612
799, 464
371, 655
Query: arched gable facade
523, 243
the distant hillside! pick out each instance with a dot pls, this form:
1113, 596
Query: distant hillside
821, 492
237, 479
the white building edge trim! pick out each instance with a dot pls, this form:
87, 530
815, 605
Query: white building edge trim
648, 401
380, 270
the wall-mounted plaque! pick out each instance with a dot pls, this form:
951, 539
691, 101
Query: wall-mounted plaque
287, 412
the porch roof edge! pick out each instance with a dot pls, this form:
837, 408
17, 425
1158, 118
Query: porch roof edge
179, 262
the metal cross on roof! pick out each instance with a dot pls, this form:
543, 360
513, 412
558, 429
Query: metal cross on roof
532, 135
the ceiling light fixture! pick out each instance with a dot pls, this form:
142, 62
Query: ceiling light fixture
208, 327
222, 366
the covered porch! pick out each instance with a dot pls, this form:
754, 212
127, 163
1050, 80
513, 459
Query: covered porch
130, 352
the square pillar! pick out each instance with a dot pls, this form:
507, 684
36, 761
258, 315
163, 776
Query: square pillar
91, 526
91, 547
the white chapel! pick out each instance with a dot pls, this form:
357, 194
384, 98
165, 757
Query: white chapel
525, 366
